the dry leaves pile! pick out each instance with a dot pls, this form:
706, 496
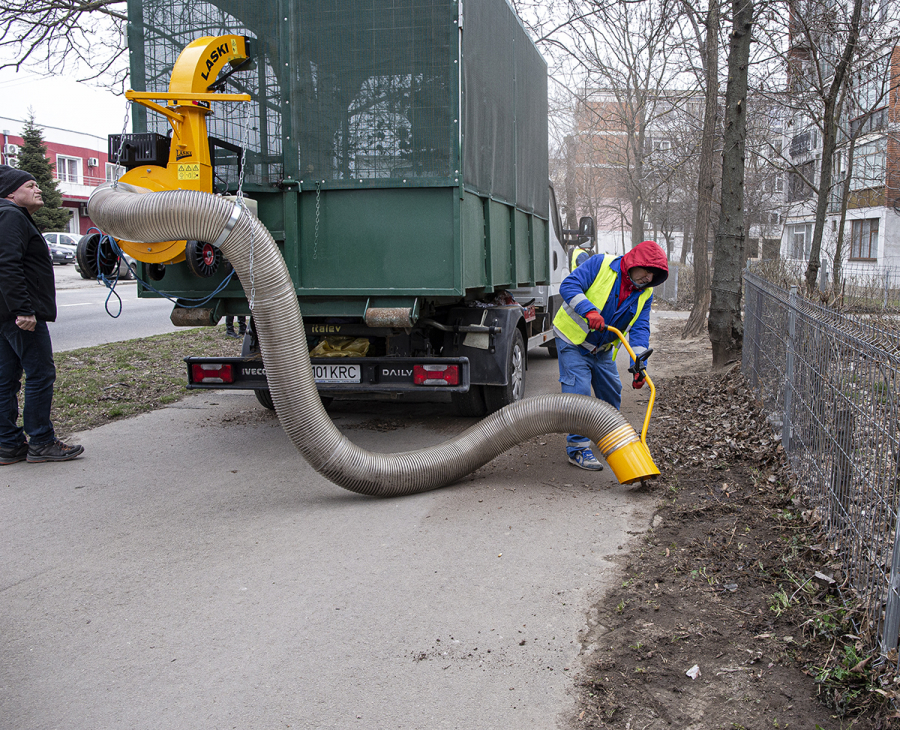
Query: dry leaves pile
730, 614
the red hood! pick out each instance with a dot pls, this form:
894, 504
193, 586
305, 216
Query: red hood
649, 255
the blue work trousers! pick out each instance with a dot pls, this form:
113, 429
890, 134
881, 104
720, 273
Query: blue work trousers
579, 371
31, 353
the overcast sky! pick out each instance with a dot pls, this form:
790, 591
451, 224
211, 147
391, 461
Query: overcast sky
61, 102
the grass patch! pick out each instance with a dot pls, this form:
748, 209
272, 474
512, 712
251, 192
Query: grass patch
97, 385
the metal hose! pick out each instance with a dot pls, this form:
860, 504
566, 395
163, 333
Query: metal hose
134, 214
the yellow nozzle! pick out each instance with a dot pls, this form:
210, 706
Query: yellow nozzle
632, 463
626, 454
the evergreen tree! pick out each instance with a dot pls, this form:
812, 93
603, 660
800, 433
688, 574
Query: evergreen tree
33, 159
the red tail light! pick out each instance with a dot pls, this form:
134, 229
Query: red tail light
212, 373
436, 374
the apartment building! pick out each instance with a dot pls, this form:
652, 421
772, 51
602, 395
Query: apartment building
867, 183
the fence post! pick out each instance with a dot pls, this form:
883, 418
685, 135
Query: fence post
891, 626
789, 372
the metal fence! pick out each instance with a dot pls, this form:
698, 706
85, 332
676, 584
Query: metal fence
829, 382
858, 287
678, 288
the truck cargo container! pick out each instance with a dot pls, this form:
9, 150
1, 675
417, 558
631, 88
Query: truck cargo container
397, 150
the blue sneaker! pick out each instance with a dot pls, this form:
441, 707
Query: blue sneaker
585, 459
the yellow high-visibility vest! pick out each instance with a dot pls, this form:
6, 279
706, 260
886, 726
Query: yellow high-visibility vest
574, 326
573, 259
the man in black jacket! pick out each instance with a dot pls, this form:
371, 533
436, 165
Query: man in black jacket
27, 303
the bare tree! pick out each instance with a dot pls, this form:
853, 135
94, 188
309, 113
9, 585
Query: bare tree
626, 58
726, 330
58, 35
830, 120
705, 181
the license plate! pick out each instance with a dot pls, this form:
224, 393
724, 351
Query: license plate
336, 373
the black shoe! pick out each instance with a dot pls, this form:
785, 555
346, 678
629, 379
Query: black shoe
229, 332
242, 331
53, 451
13, 456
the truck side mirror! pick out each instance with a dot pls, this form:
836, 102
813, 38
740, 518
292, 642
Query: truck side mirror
586, 227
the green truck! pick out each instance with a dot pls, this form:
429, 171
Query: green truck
397, 150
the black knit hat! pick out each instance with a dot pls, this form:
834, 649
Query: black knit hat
11, 179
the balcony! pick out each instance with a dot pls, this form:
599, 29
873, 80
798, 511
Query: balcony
802, 144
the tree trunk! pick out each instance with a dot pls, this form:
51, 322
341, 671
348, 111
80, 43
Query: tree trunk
837, 263
705, 183
829, 144
726, 330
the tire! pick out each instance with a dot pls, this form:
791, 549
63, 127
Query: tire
553, 349
92, 250
499, 396
202, 259
470, 404
265, 399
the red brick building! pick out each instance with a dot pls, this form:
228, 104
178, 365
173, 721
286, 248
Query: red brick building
79, 160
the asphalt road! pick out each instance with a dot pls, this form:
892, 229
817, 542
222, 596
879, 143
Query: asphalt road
191, 571
84, 309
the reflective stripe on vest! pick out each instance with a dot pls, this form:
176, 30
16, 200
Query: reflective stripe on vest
574, 327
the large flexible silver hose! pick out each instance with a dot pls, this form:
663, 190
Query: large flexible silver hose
133, 214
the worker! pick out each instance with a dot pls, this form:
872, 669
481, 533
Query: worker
604, 290
229, 326
579, 255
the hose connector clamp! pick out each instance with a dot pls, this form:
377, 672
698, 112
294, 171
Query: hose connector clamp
229, 226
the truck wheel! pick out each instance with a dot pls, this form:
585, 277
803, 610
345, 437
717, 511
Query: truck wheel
265, 399
498, 396
470, 404
553, 349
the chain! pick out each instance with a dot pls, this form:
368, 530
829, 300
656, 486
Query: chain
245, 137
316, 239
121, 142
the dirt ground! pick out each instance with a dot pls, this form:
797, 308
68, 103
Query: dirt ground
730, 585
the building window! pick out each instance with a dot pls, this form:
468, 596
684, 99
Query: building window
868, 165
114, 172
68, 169
864, 240
800, 240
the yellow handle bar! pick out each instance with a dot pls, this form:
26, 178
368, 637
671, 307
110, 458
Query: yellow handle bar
621, 337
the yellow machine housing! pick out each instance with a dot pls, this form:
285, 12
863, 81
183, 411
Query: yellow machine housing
189, 99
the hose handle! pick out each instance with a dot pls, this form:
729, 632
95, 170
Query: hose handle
640, 362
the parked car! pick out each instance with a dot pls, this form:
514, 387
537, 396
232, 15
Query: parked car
65, 239
61, 254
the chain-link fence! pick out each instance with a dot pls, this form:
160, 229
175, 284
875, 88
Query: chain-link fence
678, 289
830, 384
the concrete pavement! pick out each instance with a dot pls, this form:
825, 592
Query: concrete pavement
191, 571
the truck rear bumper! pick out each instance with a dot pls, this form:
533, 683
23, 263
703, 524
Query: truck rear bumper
338, 375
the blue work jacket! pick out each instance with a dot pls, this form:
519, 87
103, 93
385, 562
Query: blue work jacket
580, 280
